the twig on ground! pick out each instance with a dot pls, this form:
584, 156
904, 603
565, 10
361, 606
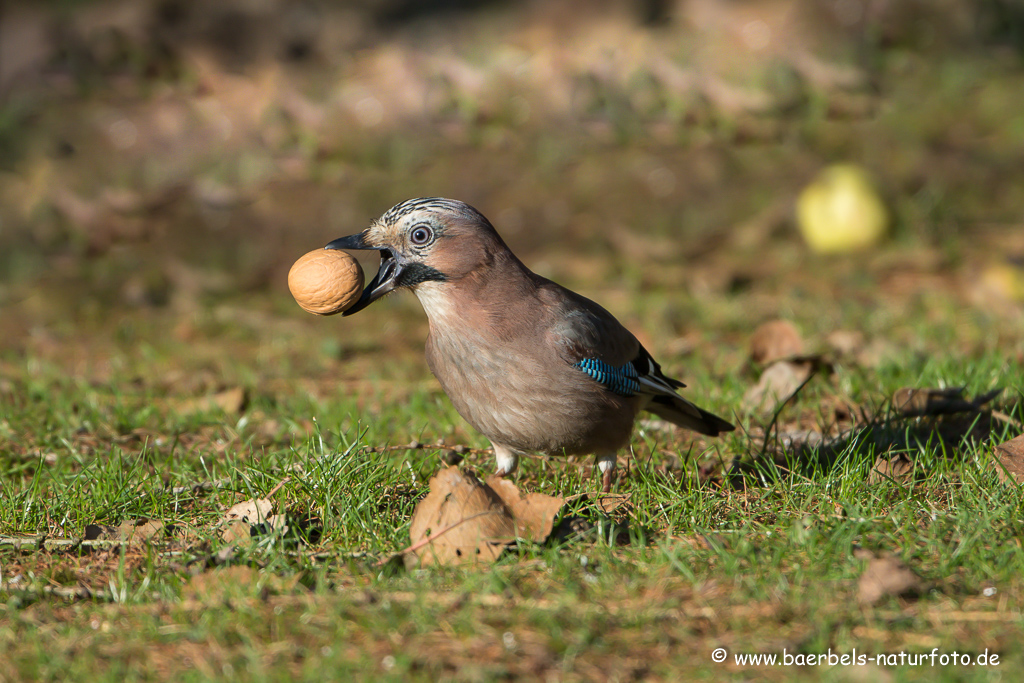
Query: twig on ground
1003, 417
416, 445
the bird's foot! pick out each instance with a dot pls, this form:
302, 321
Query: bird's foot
606, 463
506, 459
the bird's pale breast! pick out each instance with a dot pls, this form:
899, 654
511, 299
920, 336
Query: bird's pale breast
524, 396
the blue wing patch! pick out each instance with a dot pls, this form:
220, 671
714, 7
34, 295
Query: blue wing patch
621, 380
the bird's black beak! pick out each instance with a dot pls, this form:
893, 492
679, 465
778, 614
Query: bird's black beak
383, 282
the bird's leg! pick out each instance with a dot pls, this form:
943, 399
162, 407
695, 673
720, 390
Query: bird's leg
606, 463
506, 458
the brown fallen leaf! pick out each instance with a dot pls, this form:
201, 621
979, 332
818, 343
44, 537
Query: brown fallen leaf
899, 468
775, 340
1009, 461
236, 531
847, 343
141, 530
460, 520
465, 520
779, 382
251, 517
886, 576
534, 514
231, 401
236, 526
253, 511
278, 523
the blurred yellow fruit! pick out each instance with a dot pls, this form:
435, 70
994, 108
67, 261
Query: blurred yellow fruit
841, 211
1005, 280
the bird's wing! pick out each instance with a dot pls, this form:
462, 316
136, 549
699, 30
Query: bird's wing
592, 340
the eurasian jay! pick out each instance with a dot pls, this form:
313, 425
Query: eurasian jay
530, 364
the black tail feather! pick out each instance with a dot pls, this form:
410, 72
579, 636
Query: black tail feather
681, 412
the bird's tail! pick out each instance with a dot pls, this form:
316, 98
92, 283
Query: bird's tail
679, 411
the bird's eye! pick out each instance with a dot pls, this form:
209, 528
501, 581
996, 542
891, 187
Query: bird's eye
421, 234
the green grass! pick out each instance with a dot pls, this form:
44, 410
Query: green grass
108, 348
765, 561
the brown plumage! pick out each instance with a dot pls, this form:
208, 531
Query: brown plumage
530, 364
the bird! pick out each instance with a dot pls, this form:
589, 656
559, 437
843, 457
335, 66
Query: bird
530, 364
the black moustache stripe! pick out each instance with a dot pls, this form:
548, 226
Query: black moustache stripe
415, 273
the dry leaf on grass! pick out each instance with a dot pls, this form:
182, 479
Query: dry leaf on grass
236, 531
252, 517
534, 514
778, 383
885, 576
899, 468
460, 520
140, 530
612, 503
775, 340
847, 343
253, 511
465, 520
238, 522
231, 401
1010, 460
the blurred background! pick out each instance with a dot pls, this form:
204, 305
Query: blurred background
163, 162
